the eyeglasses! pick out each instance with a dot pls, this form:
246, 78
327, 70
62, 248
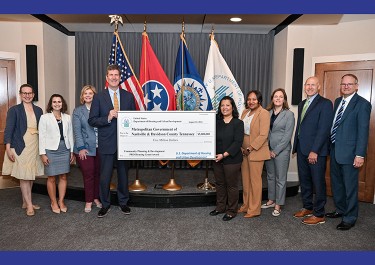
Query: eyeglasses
27, 93
348, 84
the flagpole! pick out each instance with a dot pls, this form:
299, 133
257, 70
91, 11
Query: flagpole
137, 185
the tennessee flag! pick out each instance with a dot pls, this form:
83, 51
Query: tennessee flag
189, 87
129, 81
219, 79
158, 92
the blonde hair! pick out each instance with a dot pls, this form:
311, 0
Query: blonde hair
84, 89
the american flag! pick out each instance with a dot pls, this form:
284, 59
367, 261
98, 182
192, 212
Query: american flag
129, 81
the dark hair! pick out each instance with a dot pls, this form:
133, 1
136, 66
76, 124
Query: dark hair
112, 67
257, 94
64, 107
351, 75
285, 104
234, 108
25, 85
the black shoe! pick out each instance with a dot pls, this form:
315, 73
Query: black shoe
333, 215
344, 226
227, 217
214, 212
103, 211
125, 209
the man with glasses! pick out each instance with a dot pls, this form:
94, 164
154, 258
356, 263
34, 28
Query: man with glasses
349, 136
311, 143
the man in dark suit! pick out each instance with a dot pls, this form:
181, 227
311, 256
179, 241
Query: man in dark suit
103, 115
349, 136
311, 143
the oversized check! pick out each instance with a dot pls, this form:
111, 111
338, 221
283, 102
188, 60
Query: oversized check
166, 135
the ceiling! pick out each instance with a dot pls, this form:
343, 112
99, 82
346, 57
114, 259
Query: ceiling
251, 23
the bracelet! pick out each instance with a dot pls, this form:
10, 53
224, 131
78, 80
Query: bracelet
248, 149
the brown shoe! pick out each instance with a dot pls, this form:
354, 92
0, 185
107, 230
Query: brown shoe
313, 220
248, 215
303, 213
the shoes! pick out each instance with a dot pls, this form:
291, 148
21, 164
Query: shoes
103, 211
30, 213
64, 209
125, 209
276, 212
313, 220
266, 206
241, 211
303, 213
98, 205
248, 215
227, 217
35, 206
344, 226
55, 210
214, 212
333, 215
88, 207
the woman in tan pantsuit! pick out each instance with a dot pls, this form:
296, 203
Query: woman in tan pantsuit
255, 151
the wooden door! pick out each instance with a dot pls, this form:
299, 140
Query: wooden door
330, 75
8, 98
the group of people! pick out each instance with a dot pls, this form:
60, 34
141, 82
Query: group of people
47, 144
244, 143
40, 144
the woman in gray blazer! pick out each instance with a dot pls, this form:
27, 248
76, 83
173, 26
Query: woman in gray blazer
85, 148
281, 130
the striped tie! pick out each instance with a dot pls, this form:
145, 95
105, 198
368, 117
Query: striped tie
337, 121
115, 101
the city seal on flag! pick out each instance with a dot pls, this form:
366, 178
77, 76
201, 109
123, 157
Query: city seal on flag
156, 95
194, 96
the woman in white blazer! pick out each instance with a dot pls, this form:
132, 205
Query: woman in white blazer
281, 130
56, 148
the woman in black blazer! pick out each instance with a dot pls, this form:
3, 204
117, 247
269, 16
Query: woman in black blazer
227, 166
21, 158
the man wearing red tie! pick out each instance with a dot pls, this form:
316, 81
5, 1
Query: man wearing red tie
349, 137
103, 115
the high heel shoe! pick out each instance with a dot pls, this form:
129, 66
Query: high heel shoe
35, 206
55, 210
64, 209
88, 207
30, 213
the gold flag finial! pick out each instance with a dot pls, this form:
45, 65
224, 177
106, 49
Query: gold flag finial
145, 26
212, 36
116, 19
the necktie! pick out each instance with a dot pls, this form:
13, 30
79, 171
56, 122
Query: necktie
304, 109
115, 101
337, 121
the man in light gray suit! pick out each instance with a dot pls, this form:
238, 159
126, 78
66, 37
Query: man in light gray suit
281, 130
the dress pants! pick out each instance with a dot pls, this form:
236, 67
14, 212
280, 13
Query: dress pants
227, 193
344, 181
106, 169
277, 170
90, 168
312, 179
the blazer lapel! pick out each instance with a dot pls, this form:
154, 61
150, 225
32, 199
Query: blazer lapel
350, 107
279, 118
107, 98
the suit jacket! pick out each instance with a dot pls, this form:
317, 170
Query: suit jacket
84, 134
315, 128
282, 131
352, 132
259, 129
16, 126
107, 131
49, 132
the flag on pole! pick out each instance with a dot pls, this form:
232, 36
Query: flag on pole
189, 87
219, 80
158, 91
129, 81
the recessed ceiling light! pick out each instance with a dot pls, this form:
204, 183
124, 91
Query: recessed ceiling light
235, 19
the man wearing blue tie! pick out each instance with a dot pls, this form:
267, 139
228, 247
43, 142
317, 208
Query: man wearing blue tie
349, 137
103, 115
311, 142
